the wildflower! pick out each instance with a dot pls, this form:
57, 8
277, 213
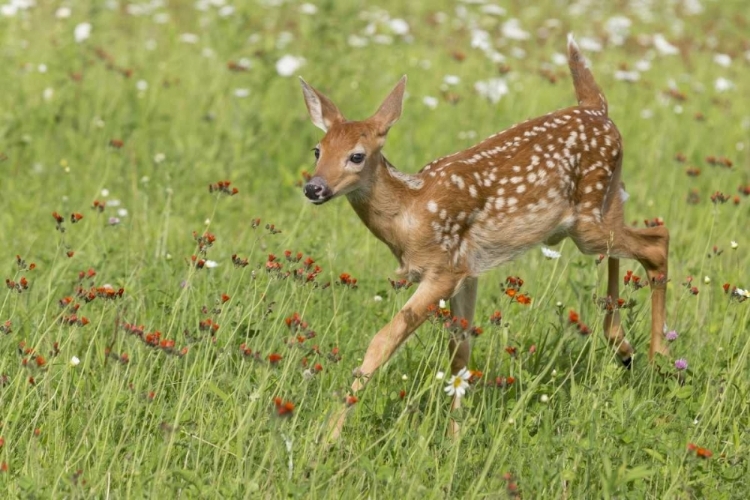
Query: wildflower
283, 408
573, 316
671, 335
706, 280
734, 245
224, 187
681, 364
274, 358
289, 64
740, 294
550, 254
440, 375
493, 89
496, 318
523, 299
544, 398
504, 382
699, 451
458, 383
346, 279
113, 221
239, 262
82, 32
351, 400
400, 284
723, 84
430, 102
719, 197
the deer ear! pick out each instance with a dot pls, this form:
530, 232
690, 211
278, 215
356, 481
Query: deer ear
390, 111
323, 112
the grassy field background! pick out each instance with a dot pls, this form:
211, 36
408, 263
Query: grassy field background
158, 100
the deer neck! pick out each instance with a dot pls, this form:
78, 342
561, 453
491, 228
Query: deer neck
383, 201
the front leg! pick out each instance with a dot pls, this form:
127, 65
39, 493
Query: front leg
382, 346
459, 347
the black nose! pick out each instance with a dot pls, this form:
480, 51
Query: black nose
317, 191
312, 191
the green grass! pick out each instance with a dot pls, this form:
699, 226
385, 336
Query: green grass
203, 424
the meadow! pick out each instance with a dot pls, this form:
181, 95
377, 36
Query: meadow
177, 321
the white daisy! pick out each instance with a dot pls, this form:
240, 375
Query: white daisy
458, 383
550, 254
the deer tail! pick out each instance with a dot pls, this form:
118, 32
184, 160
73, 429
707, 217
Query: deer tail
587, 91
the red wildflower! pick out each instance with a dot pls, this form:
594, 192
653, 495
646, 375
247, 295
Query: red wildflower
238, 262
274, 358
351, 400
699, 451
496, 318
346, 279
573, 316
283, 408
523, 299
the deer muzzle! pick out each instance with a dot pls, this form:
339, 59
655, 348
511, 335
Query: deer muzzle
317, 190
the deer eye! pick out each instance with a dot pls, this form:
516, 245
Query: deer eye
317, 152
357, 158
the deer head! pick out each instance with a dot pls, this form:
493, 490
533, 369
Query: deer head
350, 151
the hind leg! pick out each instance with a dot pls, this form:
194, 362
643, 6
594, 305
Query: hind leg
648, 246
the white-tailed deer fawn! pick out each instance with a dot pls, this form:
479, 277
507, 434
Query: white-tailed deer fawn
540, 181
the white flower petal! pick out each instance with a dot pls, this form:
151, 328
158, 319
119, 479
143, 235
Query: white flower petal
430, 102
289, 64
550, 254
82, 32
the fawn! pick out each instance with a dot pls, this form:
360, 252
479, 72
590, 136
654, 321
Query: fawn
539, 181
